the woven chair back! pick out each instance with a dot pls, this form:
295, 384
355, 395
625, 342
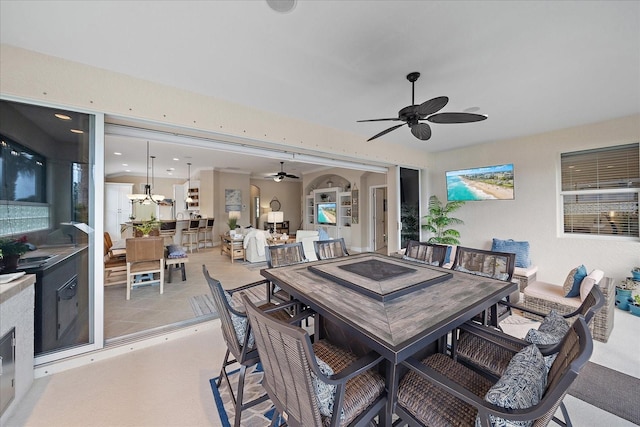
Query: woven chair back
140, 249
428, 253
282, 255
498, 265
285, 352
328, 249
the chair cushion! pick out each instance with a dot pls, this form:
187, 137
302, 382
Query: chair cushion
521, 249
360, 391
572, 282
521, 386
176, 251
239, 323
550, 292
553, 328
588, 282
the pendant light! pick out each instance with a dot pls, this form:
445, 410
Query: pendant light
147, 198
189, 199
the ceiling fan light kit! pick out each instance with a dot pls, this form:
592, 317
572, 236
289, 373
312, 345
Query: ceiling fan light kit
282, 174
412, 114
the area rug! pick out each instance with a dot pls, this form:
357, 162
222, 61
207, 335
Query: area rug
256, 416
202, 305
609, 390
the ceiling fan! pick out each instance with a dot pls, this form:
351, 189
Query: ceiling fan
412, 114
282, 174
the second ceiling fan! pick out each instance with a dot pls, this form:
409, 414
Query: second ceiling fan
412, 114
282, 174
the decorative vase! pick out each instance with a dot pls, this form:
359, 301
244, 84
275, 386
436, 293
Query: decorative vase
10, 263
623, 298
634, 309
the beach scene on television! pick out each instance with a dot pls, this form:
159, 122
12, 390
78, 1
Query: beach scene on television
483, 183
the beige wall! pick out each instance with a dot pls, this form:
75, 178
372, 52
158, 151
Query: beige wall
288, 192
534, 215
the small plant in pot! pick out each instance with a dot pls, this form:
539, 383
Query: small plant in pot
623, 293
634, 307
635, 271
147, 226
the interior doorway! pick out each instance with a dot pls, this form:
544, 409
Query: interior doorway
255, 206
379, 204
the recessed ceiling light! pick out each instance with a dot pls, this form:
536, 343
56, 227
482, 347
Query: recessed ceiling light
117, 154
124, 164
127, 170
171, 169
176, 159
62, 116
77, 131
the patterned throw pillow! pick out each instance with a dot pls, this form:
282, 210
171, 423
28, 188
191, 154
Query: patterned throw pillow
553, 328
239, 323
521, 386
325, 393
581, 273
568, 282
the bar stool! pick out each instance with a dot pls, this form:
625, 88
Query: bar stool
192, 234
206, 226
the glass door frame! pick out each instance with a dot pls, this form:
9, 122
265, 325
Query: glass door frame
96, 199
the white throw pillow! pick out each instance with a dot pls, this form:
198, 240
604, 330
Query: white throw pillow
587, 283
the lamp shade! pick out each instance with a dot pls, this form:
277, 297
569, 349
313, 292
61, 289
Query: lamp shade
234, 214
277, 216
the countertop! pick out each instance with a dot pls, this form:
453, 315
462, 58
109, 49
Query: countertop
56, 253
7, 290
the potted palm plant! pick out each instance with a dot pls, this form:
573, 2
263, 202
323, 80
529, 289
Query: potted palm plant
439, 221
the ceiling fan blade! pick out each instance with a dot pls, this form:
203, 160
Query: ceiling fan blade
456, 118
421, 131
377, 120
386, 131
292, 176
433, 105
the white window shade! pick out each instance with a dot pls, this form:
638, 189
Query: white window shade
600, 190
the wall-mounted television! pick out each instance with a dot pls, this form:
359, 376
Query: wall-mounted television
326, 213
483, 183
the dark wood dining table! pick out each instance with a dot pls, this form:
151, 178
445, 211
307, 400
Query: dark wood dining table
396, 307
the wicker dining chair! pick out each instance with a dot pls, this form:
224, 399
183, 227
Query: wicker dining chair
328, 249
427, 253
292, 372
497, 265
240, 346
491, 350
441, 392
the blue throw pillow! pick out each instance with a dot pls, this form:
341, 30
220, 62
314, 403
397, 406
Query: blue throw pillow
581, 273
521, 249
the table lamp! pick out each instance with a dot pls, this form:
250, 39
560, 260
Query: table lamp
274, 217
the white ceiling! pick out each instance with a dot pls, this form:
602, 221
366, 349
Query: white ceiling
531, 66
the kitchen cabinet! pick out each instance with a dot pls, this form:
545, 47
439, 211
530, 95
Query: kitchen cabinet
117, 207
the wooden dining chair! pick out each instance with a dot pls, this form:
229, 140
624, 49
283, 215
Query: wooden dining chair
145, 256
491, 350
424, 252
439, 391
328, 249
317, 384
233, 321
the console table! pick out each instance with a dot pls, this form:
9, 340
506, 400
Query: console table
232, 247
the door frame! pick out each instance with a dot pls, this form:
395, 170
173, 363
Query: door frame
372, 222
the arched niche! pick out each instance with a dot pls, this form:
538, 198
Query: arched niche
328, 181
